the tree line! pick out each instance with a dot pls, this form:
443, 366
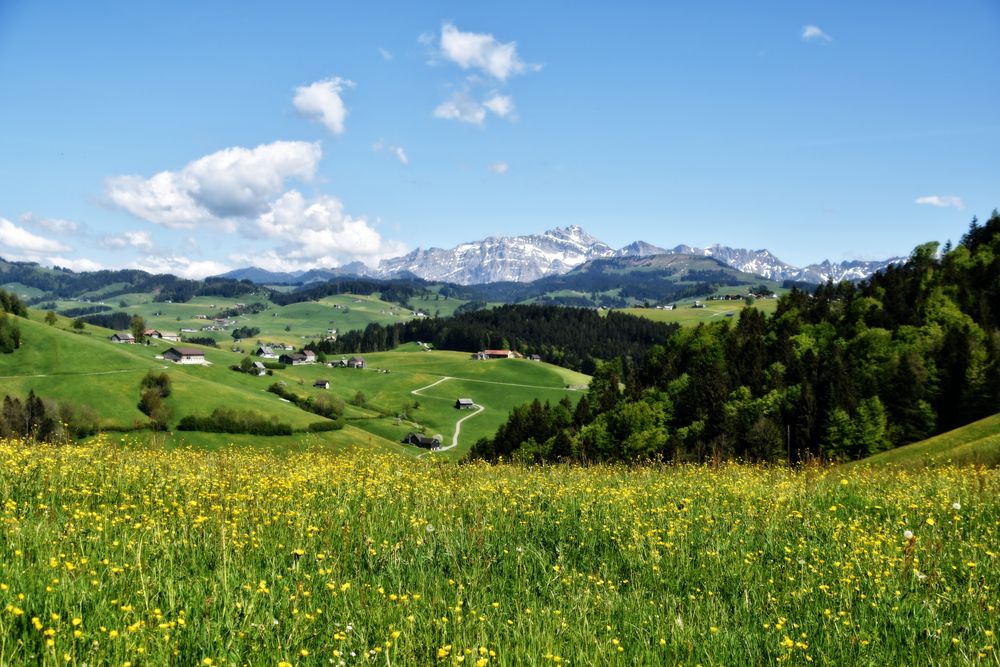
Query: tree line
575, 338
847, 371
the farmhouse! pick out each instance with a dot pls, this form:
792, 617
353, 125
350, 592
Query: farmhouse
163, 335
122, 337
265, 351
465, 404
259, 368
357, 362
310, 356
536, 357
294, 359
421, 440
495, 354
185, 355
322, 384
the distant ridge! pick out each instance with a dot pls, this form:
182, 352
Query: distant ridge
558, 251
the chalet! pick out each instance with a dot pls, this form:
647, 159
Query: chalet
357, 362
266, 352
465, 404
310, 356
185, 355
322, 384
536, 357
258, 368
123, 337
163, 335
337, 363
421, 440
497, 354
294, 359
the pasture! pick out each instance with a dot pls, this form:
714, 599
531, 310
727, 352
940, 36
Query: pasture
116, 553
714, 311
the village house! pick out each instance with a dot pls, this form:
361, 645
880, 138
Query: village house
162, 335
259, 368
265, 351
185, 355
122, 337
357, 362
421, 440
465, 404
494, 354
293, 359
310, 356
322, 384
536, 357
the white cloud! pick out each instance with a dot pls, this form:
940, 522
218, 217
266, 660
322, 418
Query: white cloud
941, 201
462, 107
233, 182
321, 101
81, 264
178, 265
501, 105
500, 168
57, 225
397, 151
481, 51
318, 233
140, 240
17, 238
386, 55
812, 33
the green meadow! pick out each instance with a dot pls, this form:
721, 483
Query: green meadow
407, 390
714, 311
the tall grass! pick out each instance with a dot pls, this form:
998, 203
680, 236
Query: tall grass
113, 554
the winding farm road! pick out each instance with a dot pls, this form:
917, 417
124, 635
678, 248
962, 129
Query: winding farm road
458, 424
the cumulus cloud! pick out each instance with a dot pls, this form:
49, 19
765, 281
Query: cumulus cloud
397, 151
812, 33
500, 168
501, 105
233, 182
321, 101
77, 264
57, 225
178, 265
463, 107
141, 240
19, 239
318, 233
481, 51
941, 201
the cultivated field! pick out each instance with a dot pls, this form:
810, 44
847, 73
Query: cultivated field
116, 554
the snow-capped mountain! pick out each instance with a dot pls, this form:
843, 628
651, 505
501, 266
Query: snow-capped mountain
502, 258
526, 258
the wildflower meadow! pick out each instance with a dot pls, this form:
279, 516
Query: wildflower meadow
127, 555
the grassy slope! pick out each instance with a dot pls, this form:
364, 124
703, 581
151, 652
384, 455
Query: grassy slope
499, 385
713, 311
975, 443
87, 369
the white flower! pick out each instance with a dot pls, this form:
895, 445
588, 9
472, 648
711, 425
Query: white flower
956, 506
908, 534
429, 528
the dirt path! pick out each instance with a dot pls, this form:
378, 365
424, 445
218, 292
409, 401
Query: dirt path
458, 424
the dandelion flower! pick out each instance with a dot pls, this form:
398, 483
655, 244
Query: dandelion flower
908, 534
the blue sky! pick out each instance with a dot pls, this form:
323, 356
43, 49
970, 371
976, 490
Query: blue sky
196, 137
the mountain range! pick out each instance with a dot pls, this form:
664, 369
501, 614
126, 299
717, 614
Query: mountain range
558, 251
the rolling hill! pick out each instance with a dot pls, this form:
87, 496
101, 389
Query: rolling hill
977, 443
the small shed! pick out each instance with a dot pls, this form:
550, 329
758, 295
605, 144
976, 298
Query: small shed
259, 368
322, 384
122, 337
421, 440
465, 404
357, 362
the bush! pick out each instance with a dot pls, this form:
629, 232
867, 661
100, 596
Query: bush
158, 381
226, 420
320, 427
202, 340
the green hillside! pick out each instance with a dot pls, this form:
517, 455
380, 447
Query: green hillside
976, 443
85, 368
686, 315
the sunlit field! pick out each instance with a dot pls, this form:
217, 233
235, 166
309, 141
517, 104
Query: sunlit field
114, 554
